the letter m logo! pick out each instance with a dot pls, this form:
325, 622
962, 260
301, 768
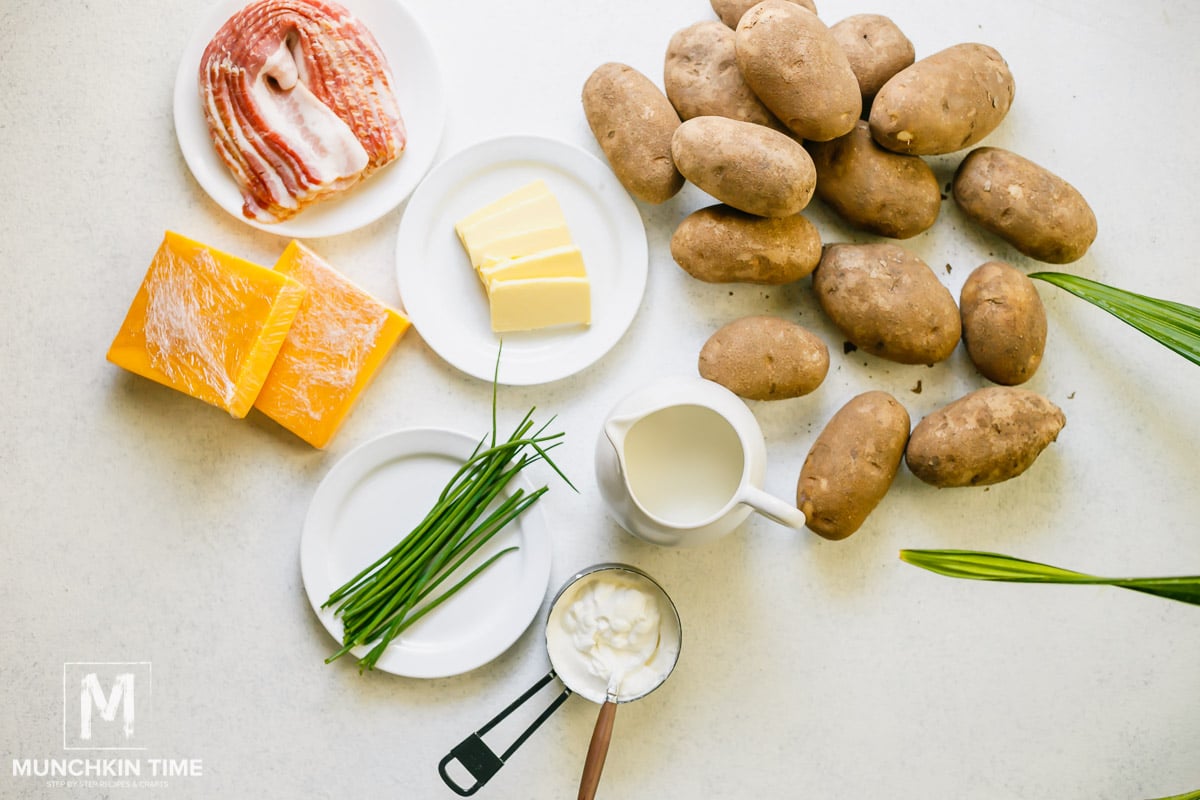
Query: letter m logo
102, 701
91, 695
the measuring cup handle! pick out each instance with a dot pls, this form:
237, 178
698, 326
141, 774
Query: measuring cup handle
480, 760
773, 508
597, 750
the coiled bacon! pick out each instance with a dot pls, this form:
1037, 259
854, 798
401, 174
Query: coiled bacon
299, 103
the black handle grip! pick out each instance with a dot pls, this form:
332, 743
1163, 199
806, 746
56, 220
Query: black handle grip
478, 759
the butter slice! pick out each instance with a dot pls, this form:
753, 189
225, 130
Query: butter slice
207, 323
526, 192
516, 245
525, 258
557, 262
532, 303
339, 340
541, 211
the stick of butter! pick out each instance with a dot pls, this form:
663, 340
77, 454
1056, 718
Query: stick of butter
527, 304
525, 258
555, 262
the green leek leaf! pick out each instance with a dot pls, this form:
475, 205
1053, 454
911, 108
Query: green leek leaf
1172, 324
982, 566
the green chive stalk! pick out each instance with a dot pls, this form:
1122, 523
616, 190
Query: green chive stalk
982, 566
385, 598
1172, 324
1185, 796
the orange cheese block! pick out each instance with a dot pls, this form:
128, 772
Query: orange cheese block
339, 340
207, 323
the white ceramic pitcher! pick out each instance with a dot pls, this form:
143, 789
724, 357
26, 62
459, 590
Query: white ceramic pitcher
681, 462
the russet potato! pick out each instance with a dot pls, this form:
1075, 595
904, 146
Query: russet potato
633, 122
732, 11
852, 464
799, 71
876, 48
720, 244
875, 190
945, 102
765, 358
747, 166
1025, 204
701, 77
988, 436
1003, 322
888, 302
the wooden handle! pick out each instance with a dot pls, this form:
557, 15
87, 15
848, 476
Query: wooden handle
597, 750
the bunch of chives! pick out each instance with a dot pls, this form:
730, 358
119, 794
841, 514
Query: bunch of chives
383, 600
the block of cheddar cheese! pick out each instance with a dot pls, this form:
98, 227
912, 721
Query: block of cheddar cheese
340, 338
207, 323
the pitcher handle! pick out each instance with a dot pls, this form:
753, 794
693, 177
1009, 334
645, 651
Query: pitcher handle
773, 508
479, 759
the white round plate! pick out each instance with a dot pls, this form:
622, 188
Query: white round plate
446, 301
370, 500
418, 86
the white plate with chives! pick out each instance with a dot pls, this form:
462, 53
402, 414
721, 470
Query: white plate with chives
370, 500
447, 302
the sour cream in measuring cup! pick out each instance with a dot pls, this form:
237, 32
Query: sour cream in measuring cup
613, 632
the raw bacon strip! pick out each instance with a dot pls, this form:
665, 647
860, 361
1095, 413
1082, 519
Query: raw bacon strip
299, 103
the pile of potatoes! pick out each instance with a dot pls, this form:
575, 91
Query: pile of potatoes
766, 108
769, 110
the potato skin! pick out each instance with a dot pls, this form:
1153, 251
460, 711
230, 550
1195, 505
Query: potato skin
988, 436
701, 77
633, 122
732, 11
765, 358
944, 102
795, 66
1003, 323
852, 464
888, 302
1025, 204
719, 244
875, 47
876, 190
747, 166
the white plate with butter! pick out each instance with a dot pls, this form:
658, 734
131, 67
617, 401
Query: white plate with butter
444, 297
418, 86
370, 500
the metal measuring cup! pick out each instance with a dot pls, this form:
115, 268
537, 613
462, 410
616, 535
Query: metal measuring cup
481, 762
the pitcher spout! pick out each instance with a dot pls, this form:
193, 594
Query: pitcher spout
615, 430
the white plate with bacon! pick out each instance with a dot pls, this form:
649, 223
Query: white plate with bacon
392, 34
446, 300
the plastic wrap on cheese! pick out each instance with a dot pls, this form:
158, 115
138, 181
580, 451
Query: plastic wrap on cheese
340, 338
207, 323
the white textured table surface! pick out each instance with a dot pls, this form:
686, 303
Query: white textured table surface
139, 525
